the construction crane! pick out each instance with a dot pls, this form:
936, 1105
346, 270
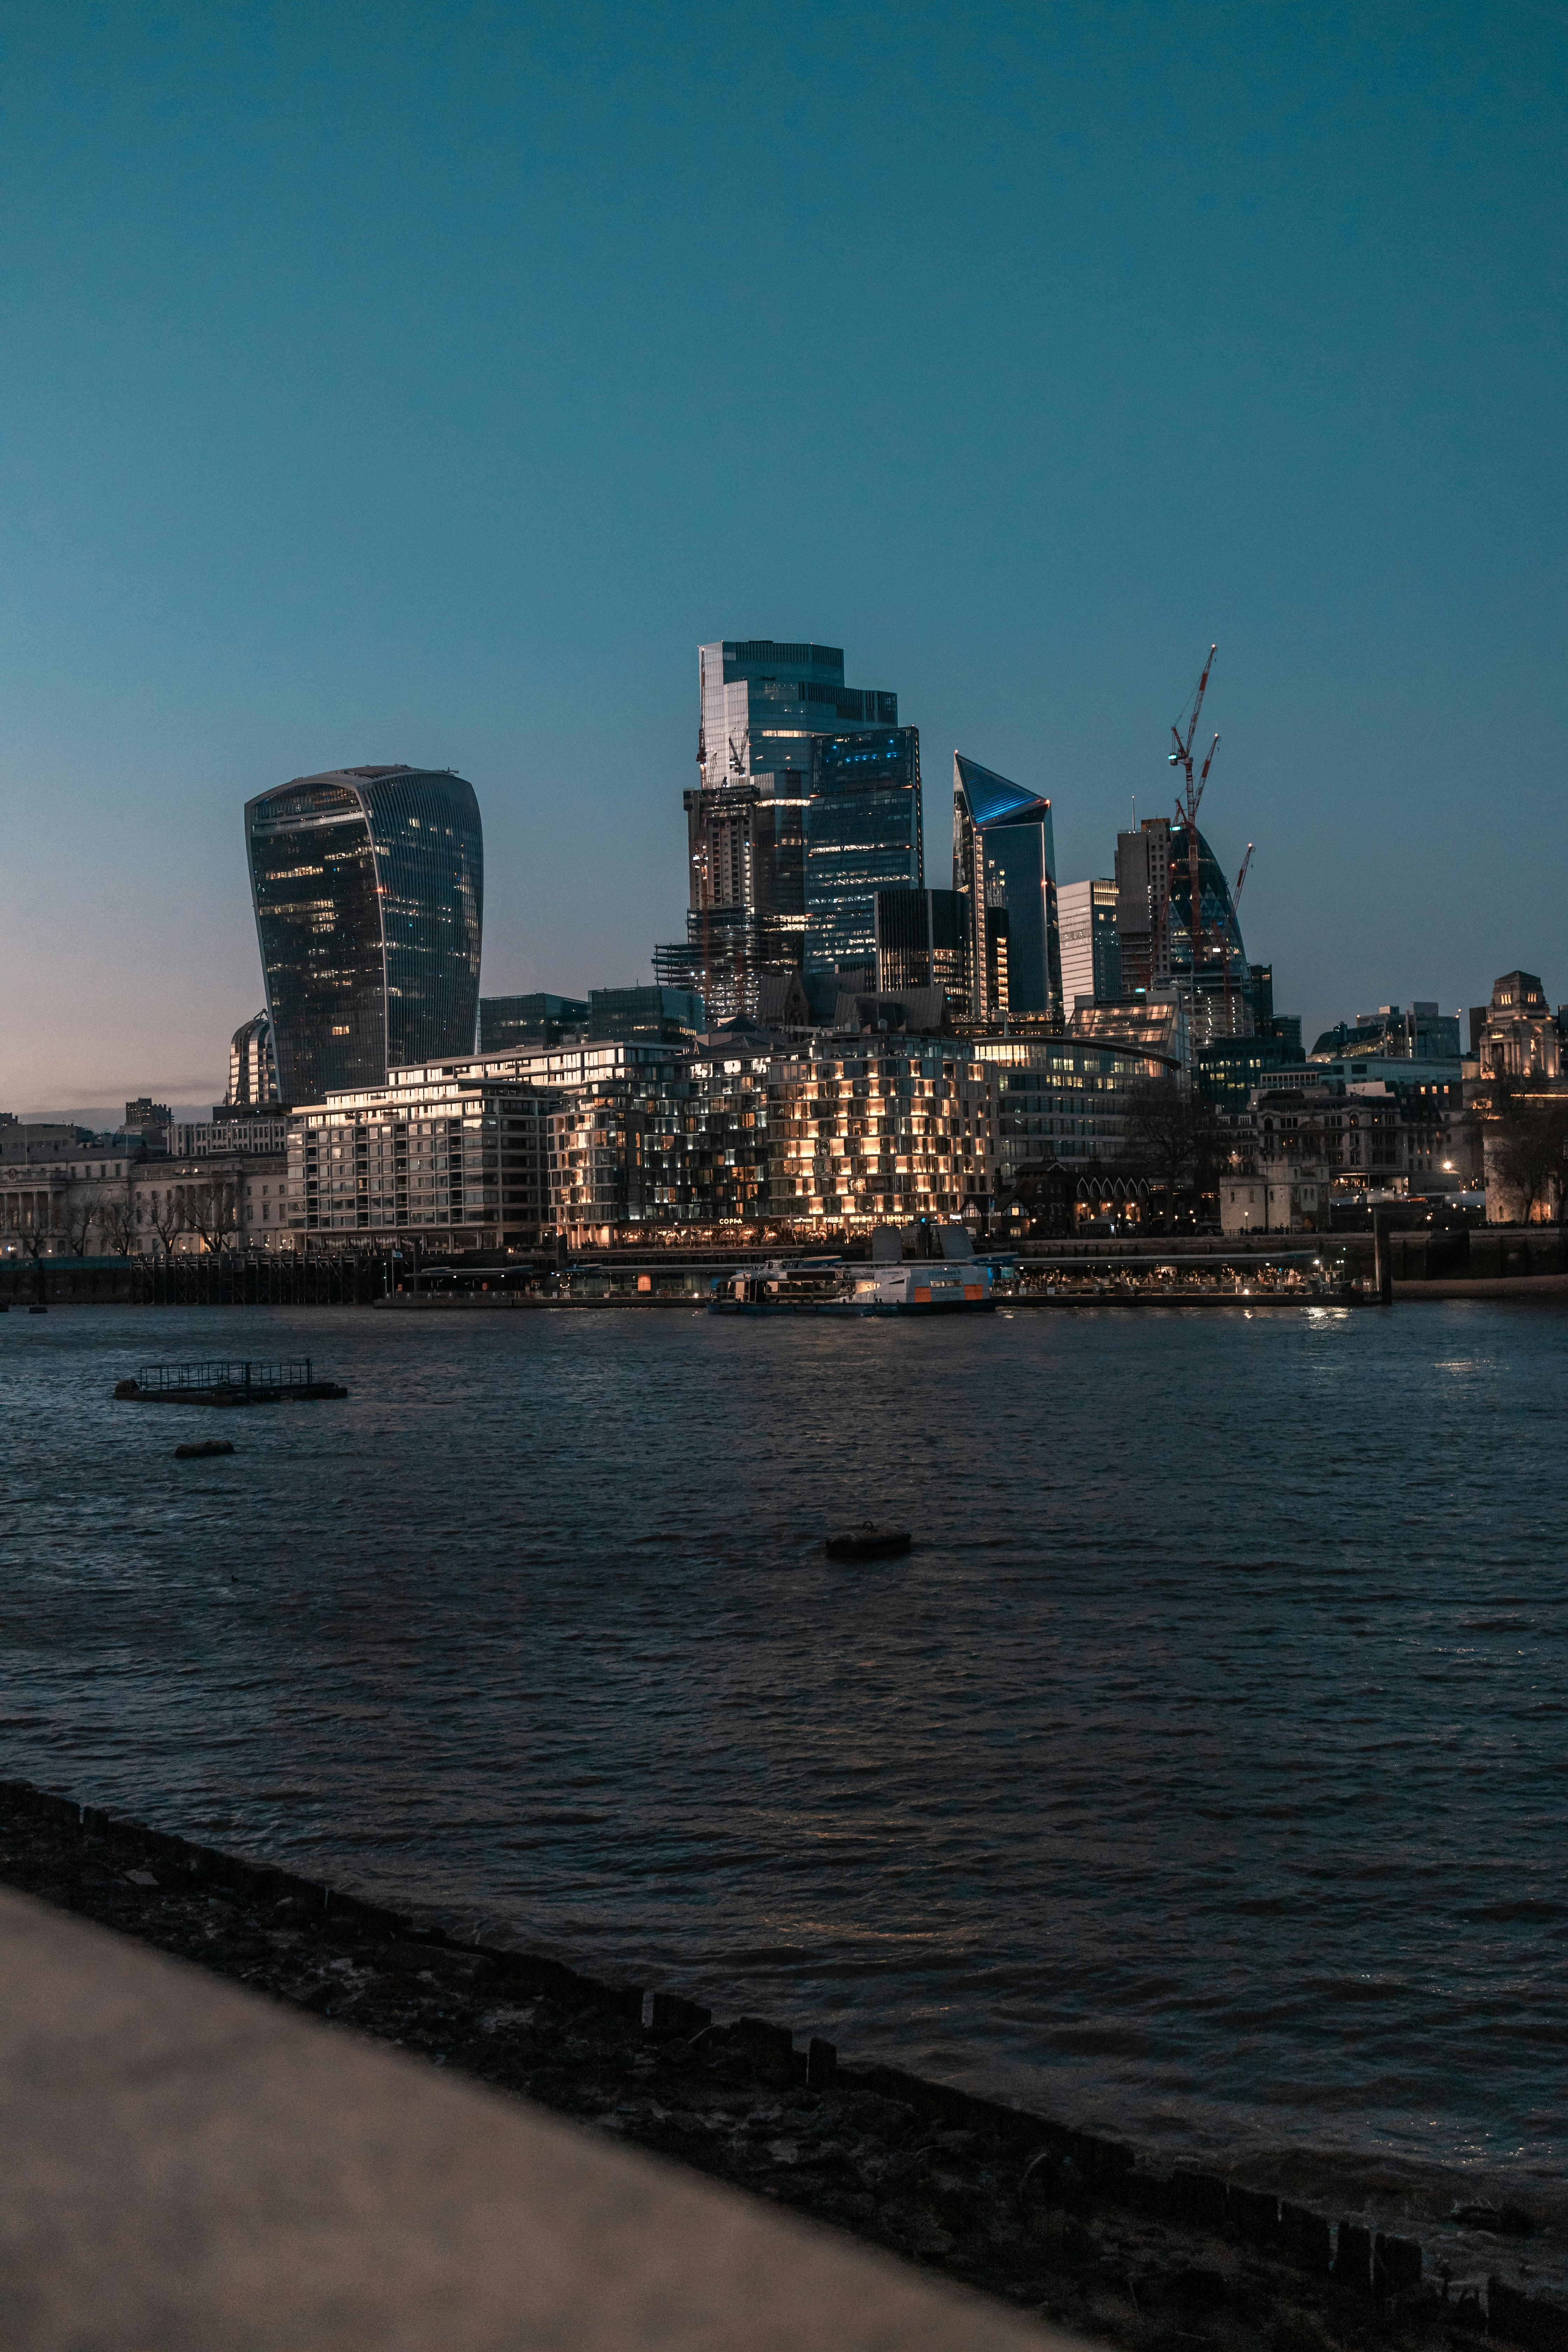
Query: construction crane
1188, 802
1234, 902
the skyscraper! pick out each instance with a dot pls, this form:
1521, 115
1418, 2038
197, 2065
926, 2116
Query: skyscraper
922, 943
762, 705
863, 835
252, 1079
368, 885
1004, 864
1163, 947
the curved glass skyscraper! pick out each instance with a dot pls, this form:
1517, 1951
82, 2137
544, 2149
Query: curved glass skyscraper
368, 885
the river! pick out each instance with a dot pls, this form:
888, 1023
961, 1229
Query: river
1199, 1776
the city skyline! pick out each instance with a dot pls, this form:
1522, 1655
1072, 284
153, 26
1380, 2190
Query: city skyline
1143, 336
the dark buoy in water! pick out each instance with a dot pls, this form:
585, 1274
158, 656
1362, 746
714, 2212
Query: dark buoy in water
869, 1543
200, 1448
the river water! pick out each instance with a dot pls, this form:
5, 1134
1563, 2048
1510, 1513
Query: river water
1199, 1776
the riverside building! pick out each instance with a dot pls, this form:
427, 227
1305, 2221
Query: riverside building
679, 1143
861, 1132
112, 1201
459, 1163
368, 886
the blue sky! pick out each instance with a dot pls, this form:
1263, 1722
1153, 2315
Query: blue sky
425, 383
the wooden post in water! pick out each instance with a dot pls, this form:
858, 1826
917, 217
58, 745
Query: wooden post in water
1383, 1257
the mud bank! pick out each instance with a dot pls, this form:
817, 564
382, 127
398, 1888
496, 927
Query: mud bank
1078, 2227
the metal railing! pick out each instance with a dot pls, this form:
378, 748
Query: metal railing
291, 1372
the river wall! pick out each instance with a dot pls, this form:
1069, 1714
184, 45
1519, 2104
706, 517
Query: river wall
1056, 2166
1500, 1261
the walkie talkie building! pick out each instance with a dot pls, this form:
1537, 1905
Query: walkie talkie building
368, 885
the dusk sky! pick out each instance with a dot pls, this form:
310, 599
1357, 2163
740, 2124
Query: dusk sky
425, 383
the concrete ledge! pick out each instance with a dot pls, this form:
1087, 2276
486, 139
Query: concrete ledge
186, 2168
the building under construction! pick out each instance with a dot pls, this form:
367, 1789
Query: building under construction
1176, 914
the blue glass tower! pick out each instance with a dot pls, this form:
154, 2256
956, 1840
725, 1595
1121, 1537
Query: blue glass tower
368, 885
1004, 864
862, 835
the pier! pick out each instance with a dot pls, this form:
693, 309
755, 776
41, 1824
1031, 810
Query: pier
290, 1381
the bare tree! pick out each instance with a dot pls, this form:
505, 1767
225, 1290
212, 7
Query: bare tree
1169, 1137
166, 1215
81, 1213
1531, 1147
212, 1210
117, 1219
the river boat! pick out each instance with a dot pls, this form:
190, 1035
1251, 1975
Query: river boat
924, 1269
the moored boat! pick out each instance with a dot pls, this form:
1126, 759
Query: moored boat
921, 1269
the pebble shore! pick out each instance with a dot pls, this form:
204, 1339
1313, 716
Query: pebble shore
1076, 2228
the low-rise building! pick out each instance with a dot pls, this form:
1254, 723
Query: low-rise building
188, 1205
208, 1139
1518, 1036
1422, 1032
1284, 1162
1064, 1098
100, 1201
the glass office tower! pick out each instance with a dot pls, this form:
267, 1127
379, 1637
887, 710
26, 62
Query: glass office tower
1005, 863
1091, 943
862, 835
921, 943
368, 885
1164, 947
762, 702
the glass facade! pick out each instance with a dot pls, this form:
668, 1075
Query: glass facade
537, 1020
1154, 920
1057, 1100
1004, 861
762, 702
252, 1078
368, 885
922, 943
763, 705
862, 835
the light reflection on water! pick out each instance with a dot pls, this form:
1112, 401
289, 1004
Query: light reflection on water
1199, 1775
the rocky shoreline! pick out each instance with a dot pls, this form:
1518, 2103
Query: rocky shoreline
1081, 2230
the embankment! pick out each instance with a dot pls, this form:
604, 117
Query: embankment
1083, 2228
